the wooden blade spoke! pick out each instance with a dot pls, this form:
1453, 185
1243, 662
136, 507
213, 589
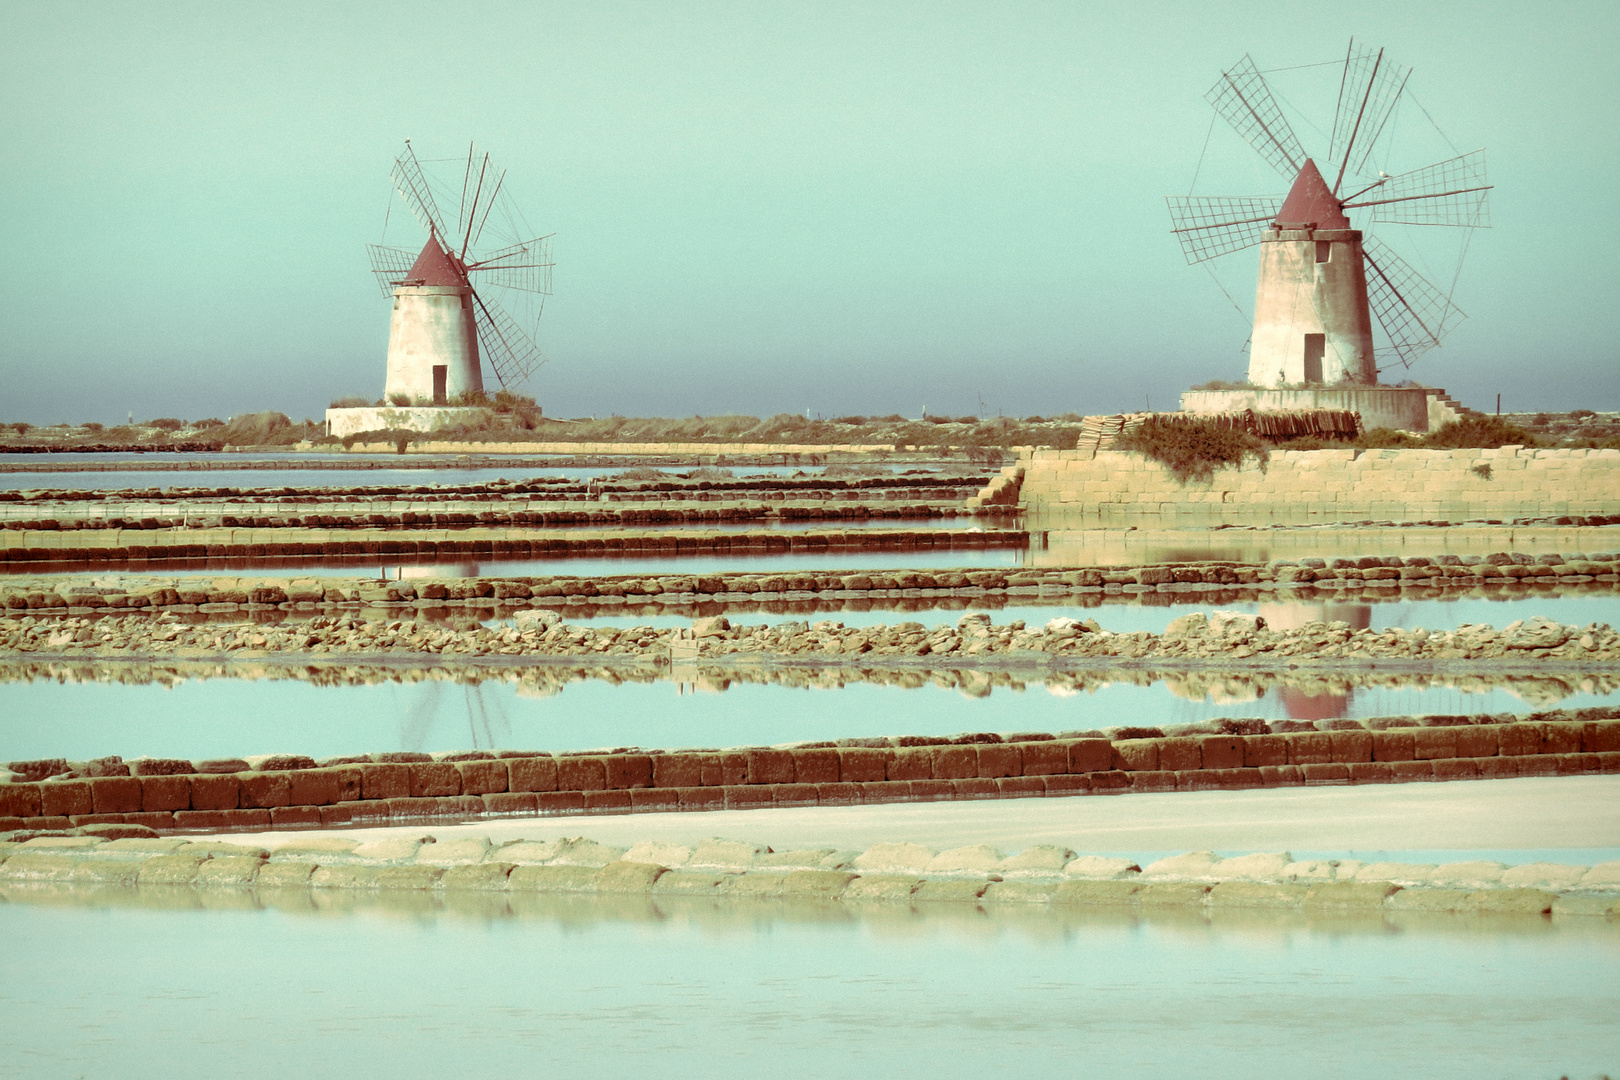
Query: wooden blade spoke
390, 265
1243, 100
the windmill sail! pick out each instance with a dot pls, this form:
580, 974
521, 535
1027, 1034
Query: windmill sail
1243, 100
1209, 226
1414, 314
1368, 90
511, 353
1451, 192
413, 188
525, 266
390, 264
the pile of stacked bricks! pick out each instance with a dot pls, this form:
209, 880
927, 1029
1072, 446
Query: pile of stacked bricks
290, 791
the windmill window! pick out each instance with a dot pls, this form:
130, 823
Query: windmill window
1324, 250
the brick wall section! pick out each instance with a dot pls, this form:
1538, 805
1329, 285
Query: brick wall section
1367, 483
842, 776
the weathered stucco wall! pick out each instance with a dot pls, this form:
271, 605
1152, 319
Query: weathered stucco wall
1332, 484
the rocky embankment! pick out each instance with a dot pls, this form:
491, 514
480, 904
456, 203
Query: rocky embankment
1218, 637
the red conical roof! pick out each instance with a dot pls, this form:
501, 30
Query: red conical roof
1310, 201
435, 267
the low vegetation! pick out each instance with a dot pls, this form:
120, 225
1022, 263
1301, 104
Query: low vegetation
1193, 447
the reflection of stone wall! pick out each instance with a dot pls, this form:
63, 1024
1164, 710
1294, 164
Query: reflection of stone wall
1332, 484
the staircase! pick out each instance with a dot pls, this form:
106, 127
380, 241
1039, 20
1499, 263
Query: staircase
1445, 409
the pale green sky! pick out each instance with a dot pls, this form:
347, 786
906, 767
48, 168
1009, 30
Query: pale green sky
759, 207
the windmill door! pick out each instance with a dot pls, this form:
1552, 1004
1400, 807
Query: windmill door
440, 371
1315, 347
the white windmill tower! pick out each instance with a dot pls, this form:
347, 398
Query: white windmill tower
1324, 283
448, 316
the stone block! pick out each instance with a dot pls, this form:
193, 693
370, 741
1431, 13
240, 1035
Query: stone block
954, 762
321, 787
1537, 765
1221, 752
528, 774
957, 890
1090, 756
880, 887
770, 767
747, 796
1497, 768
652, 800
1257, 894
607, 802
815, 884
1515, 740
701, 798
1436, 900
1087, 891
1351, 747
1511, 901
1601, 736
25, 800
1019, 892
581, 773
1406, 772
859, 765
1045, 758
108, 794
1326, 774
906, 763
559, 802
819, 765
1371, 772
264, 790
1262, 750
1476, 741
56, 797
1171, 893
1561, 738
1343, 895
1431, 743
674, 771
169, 869
1543, 876
383, 781
482, 777
1000, 759
1393, 745
553, 879
288, 816
1133, 755
284, 875
228, 870
1026, 787
434, 779
1454, 769
628, 877
793, 794
625, 771
1587, 906
1310, 748
894, 858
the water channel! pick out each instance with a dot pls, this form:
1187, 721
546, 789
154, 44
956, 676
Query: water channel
242, 984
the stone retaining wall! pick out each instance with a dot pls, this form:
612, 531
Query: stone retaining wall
120, 546
290, 791
1331, 484
883, 873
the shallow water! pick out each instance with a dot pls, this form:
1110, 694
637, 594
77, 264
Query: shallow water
218, 984
222, 717
290, 475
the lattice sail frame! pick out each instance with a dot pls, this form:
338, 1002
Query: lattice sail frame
1451, 192
1414, 314
1243, 100
1209, 226
1368, 90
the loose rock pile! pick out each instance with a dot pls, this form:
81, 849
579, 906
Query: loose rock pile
1221, 636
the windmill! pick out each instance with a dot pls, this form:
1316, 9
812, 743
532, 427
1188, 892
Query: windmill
1322, 282
448, 309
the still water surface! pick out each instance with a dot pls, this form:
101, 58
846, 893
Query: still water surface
201, 718
605, 988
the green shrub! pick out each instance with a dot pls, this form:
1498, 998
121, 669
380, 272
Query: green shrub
1384, 439
1191, 447
401, 400
1478, 433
